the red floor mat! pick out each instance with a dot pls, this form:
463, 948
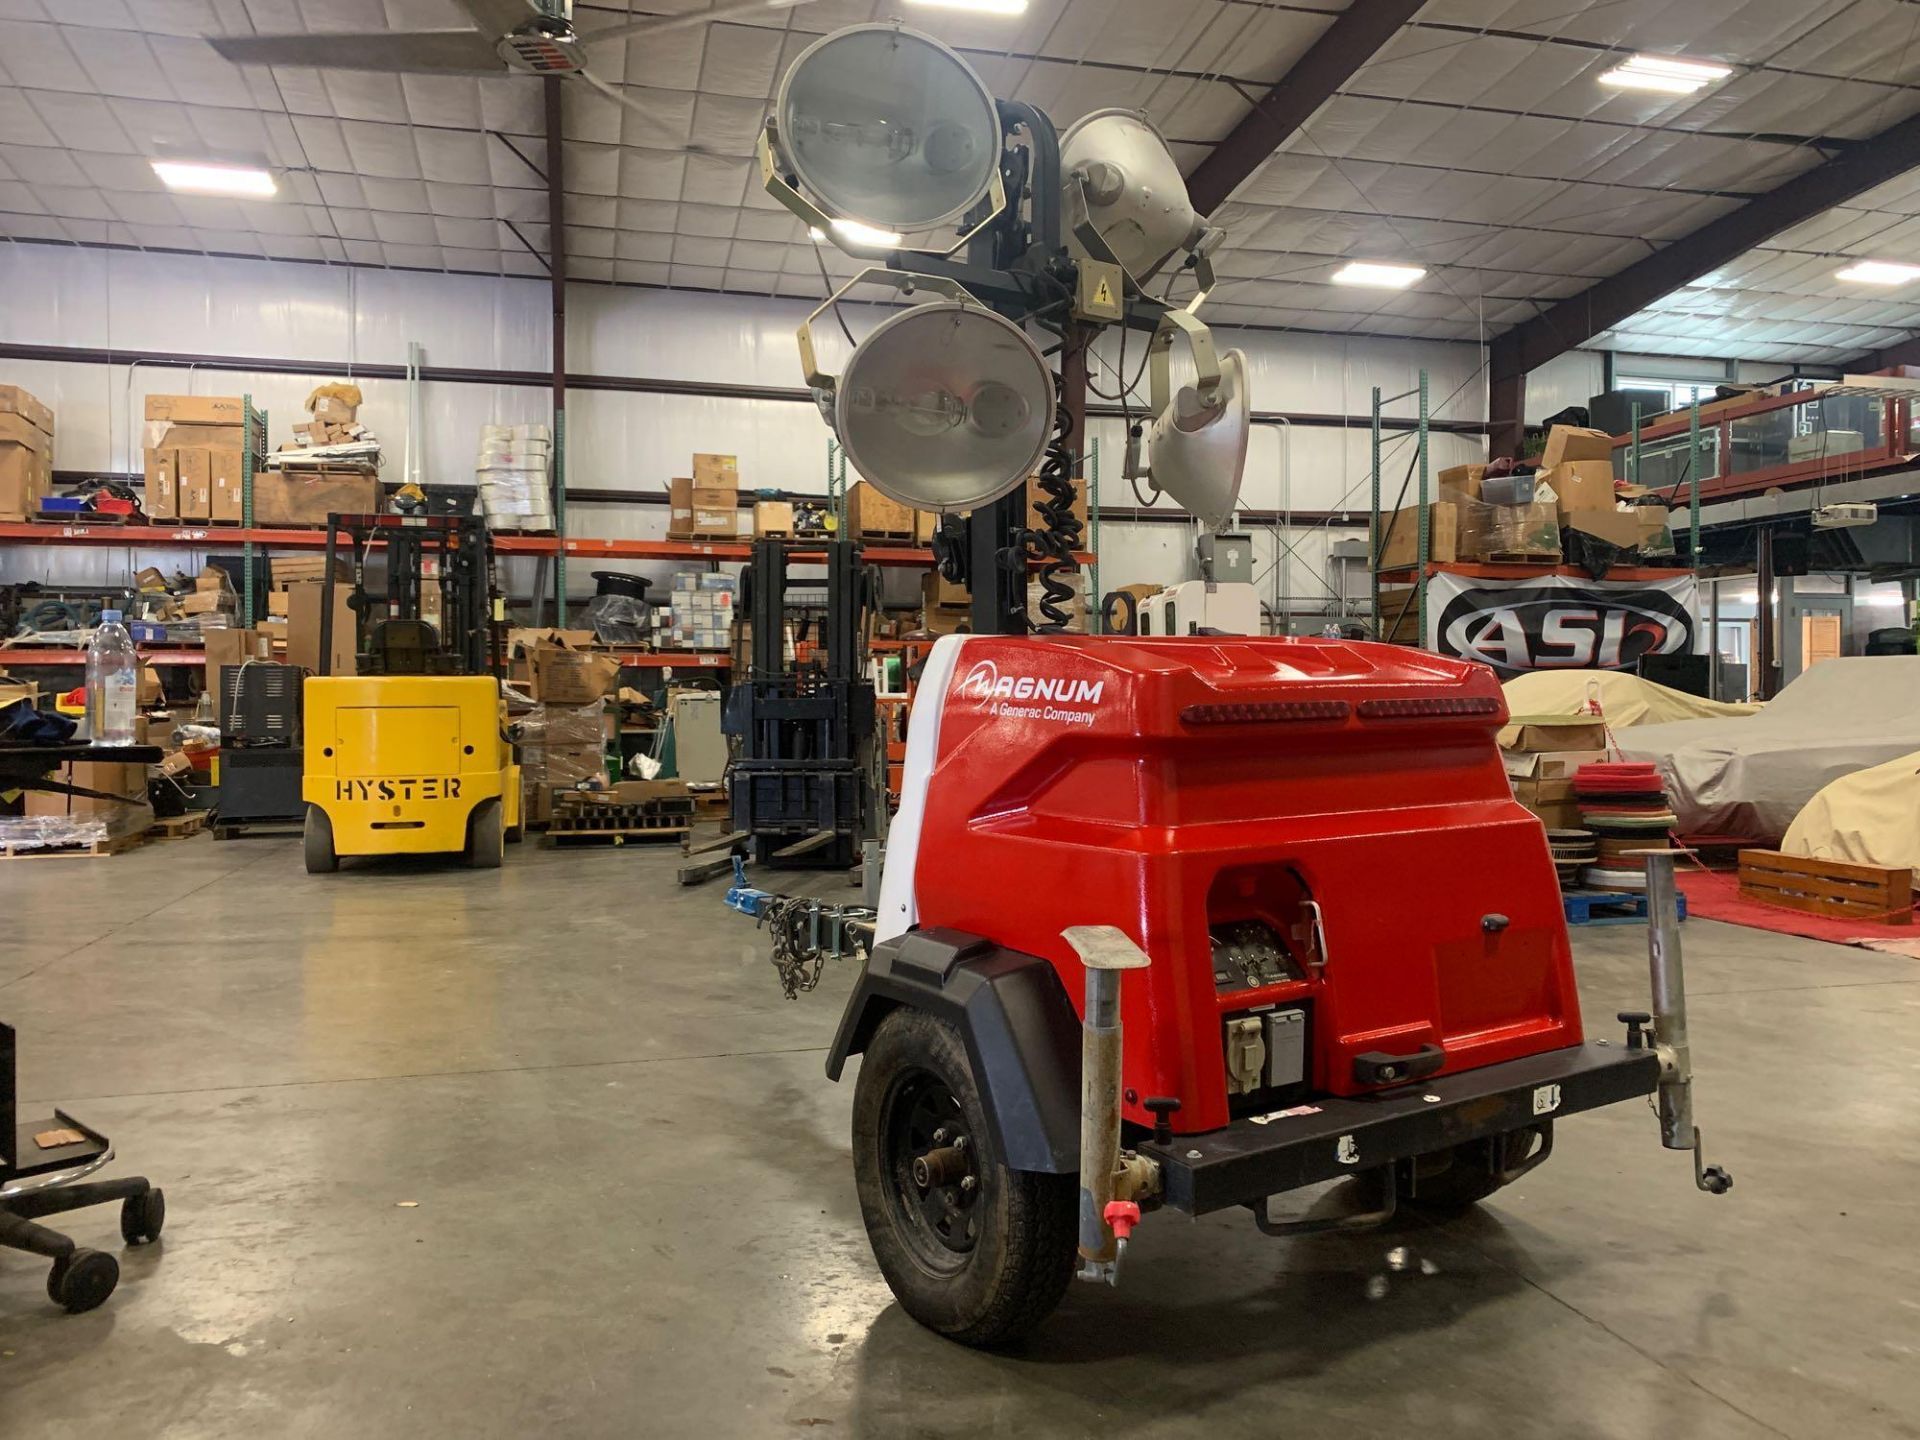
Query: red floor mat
1715, 895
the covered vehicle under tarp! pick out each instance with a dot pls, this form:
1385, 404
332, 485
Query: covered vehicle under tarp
1871, 817
1624, 699
1750, 776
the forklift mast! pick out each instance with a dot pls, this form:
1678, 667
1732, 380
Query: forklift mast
391, 635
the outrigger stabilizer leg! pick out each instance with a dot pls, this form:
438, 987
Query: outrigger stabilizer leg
1669, 1018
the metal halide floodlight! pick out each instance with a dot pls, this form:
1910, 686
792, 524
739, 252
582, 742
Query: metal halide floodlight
1197, 447
1123, 183
946, 406
885, 128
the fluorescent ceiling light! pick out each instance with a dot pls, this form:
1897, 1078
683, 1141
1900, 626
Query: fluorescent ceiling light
866, 234
983, 7
1664, 74
1388, 277
1878, 272
215, 179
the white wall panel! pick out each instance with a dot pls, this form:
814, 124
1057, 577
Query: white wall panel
1570, 379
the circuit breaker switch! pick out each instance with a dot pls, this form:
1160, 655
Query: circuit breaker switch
1246, 1054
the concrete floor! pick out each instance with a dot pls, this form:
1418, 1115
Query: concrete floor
544, 1152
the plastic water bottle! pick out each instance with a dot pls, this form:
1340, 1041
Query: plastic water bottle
113, 682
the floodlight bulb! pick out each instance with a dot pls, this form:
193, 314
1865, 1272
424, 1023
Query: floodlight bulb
858, 234
1386, 277
208, 179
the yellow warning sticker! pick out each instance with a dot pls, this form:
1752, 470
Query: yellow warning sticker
1103, 295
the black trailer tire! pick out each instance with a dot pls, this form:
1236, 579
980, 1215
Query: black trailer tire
316, 839
1007, 1251
486, 836
1468, 1174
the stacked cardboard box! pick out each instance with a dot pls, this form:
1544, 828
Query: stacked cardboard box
26, 454
194, 448
706, 504
333, 418
946, 608
561, 673
703, 611
330, 468
1541, 754
560, 746
512, 474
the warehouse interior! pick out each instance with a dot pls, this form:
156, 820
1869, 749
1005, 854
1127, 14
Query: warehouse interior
1025, 715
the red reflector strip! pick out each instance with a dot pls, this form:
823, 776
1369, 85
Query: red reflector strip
1260, 712
1428, 709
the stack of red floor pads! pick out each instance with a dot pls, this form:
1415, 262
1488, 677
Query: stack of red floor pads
1625, 805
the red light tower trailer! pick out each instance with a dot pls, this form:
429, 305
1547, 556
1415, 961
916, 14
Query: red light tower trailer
1347, 947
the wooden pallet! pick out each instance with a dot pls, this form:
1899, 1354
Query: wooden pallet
92, 850
896, 537
179, 827
1833, 888
1523, 557
1610, 907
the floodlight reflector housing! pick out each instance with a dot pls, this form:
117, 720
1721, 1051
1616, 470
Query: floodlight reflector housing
1136, 196
887, 126
1198, 451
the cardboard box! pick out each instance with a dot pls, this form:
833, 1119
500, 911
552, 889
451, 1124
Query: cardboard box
303, 628
713, 521
229, 483
195, 468
946, 621
562, 675
1571, 442
716, 472
165, 435
1557, 791
1400, 541
1556, 815
939, 593
1543, 733
680, 508
233, 646
1549, 764
925, 522
207, 602
162, 498
128, 783
147, 688
872, 516
1579, 485
16, 401
198, 409
772, 517
639, 792
22, 483
1616, 527
284, 499
332, 410
1461, 480
277, 604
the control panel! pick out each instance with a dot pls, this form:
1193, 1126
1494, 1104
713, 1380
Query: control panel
1248, 954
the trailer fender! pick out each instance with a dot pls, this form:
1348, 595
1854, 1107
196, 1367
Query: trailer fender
1021, 1033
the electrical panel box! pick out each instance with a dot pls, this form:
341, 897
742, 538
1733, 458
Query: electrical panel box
1286, 1041
1232, 559
1099, 297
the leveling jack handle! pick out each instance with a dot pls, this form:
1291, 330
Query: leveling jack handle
1667, 975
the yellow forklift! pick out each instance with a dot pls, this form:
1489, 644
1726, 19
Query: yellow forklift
410, 755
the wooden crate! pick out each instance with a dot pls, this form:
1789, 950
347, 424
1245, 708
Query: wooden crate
872, 516
1833, 888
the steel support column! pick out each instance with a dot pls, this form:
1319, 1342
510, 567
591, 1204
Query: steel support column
557, 265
